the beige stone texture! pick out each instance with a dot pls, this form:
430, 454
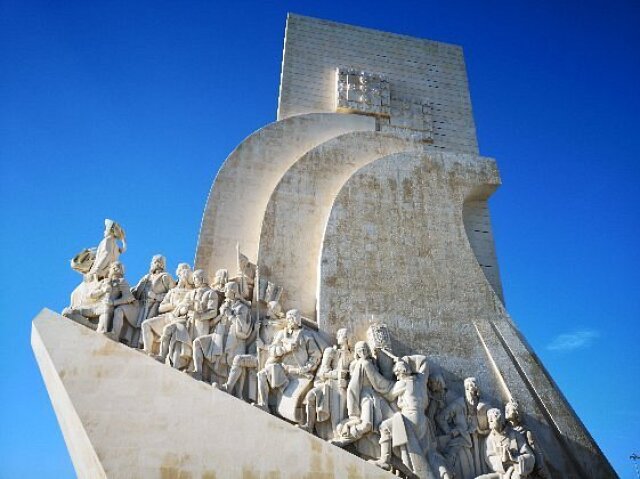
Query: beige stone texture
297, 213
395, 247
244, 183
124, 415
416, 69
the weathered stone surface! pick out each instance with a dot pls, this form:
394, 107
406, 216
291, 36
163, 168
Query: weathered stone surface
395, 247
297, 213
126, 415
244, 183
416, 69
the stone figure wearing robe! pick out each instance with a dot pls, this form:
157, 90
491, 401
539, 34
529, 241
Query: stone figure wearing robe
366, 406
171, 308
177, 336
108, 250
507, 453
220, 280
513, 416
214, 353
407, 435
149, 293
108, 294
293, 352
467, 427
326, 403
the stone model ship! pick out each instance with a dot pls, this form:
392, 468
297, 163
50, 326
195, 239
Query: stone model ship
344, 317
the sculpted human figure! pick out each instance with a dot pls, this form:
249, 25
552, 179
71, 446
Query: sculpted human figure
467, 416
214, 353
326, 403
170, 308
108, 250
108, 294
220, 280
407, 434
437, 389
245, 365
149, 293
293, 352
177, 336
507, 453
366, 407
513, 416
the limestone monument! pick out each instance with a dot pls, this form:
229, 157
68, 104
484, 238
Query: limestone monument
355, 323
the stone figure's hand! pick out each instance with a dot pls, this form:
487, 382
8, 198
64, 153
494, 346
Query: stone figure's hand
455, 433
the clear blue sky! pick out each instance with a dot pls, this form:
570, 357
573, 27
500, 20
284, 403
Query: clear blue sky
126, 109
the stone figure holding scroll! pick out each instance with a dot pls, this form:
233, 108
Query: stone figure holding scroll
149, 293
507, 453
326, 403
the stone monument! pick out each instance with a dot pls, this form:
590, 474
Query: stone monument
355, 323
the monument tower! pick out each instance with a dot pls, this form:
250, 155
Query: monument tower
365, 206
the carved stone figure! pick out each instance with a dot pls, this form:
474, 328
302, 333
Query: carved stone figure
407, 441
513, 416
294, 358
507, 453
366, 406
466, 425
149, 293
170, 308
437, 403
108, 250
219, 282
108, 294
326, 403
213, 353
177, 336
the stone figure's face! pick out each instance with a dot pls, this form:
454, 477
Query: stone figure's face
511, 411
231, 291
222, 276
294, 321
362, 350
341, 337
184, 274
494, 417
116, 270
471, 387
158, 264
199, 278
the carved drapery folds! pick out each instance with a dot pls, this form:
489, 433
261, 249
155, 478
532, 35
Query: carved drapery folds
357, 394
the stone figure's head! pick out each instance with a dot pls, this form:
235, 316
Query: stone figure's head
158, 264
111, 228
274, 309
401, 369
471, 388
342, 337
231, 290
200, 278
362, 350
496, 422
184, 274
512, 411
221, 278
116, 270
294, 320
436, 383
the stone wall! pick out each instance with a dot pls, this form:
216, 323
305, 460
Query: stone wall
416, 69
